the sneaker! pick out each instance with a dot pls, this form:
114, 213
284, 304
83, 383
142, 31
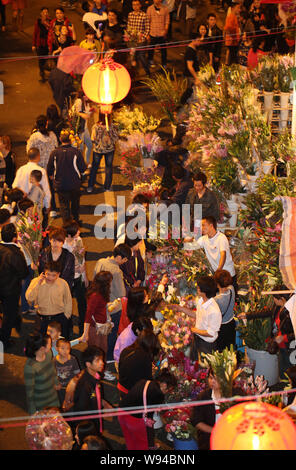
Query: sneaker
89, 190
109, 376
53, 214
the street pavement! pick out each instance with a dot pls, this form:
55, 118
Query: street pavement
25, 97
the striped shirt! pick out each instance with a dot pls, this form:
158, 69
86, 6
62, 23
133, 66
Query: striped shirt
159, 20
40, 381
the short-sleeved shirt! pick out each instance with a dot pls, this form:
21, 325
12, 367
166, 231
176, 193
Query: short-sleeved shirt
67, 370
213, 247
190, 55
226, 303
208, 318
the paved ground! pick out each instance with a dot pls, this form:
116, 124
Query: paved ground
24, 99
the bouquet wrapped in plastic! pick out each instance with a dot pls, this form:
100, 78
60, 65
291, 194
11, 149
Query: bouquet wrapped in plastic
47, 430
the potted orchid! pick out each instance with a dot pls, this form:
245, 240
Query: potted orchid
268, 72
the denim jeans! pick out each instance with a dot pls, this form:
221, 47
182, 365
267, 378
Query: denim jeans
108, 169
86, 141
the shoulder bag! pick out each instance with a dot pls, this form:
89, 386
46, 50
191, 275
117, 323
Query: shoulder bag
148, 421
104, 328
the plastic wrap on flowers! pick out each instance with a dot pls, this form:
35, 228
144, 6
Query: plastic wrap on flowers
47, 430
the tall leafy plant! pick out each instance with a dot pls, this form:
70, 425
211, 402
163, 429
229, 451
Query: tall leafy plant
168, 90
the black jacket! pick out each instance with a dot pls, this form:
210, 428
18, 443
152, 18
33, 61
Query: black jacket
66, 165
67, 261
13, 269
61, 84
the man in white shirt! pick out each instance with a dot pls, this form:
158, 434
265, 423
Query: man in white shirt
22, 177
216, 247
208, 317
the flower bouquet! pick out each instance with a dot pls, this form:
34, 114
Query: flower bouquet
74, 138
175, 332
268, 72
192, 379
224, 367
163, 264
193, 264
133, 38
207, 76
129, 120
130, 159
148, 144
285, 63
30, 235
178, 423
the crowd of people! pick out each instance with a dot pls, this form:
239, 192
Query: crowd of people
115, 307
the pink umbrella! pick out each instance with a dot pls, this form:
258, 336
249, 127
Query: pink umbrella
75, 59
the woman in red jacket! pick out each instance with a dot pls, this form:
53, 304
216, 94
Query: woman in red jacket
98, 296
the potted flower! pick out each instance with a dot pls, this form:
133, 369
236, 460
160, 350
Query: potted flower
168, 90
284, 82
178, 424
255, 333
267, 70
224, 367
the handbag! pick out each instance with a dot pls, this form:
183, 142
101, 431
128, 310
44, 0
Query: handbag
148, 421
104, 328
272, 346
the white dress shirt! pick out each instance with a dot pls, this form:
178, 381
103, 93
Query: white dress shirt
208, 318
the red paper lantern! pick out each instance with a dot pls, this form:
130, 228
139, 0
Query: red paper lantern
106, 82
254, 426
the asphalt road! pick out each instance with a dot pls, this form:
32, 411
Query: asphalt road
24, 99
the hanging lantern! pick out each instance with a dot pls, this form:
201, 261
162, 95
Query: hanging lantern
106, 82
254, 426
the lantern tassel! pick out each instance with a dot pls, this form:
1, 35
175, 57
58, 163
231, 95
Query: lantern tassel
106, 120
